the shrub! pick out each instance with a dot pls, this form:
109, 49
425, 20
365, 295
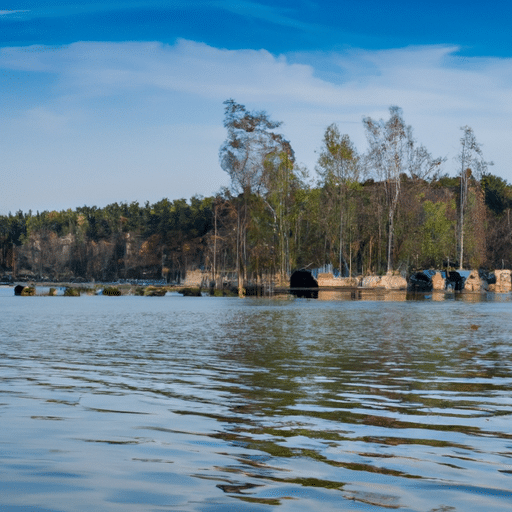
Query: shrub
28, 291
226, 292
111, 291
71, 292
191, 292
154, 291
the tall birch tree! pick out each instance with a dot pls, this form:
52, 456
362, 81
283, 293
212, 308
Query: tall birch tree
471, 163
392, 151
251, 141
338, 166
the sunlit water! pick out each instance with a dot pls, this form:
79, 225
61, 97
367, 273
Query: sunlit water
213, 404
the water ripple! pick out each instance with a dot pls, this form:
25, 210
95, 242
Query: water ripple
209, 404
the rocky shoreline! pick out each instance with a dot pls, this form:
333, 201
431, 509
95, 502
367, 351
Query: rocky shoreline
499, 281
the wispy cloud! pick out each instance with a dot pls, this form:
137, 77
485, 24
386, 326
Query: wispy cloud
59, 10
368, 79
5, 13
275, 15
156, 109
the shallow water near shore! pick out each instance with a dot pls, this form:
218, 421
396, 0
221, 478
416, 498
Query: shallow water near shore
213, 404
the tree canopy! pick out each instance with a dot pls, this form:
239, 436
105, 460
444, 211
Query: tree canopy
391, 207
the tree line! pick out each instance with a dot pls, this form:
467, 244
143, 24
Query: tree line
391, 208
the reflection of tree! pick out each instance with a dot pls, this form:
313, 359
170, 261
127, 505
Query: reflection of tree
372, 365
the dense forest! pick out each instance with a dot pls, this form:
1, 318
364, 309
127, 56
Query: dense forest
392, 208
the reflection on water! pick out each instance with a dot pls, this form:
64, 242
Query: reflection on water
377, 294
362, 294
212, 404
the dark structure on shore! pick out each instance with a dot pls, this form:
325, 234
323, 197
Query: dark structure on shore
454, 279
303, 284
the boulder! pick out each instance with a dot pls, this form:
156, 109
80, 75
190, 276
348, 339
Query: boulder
372, 282
455, 281
438, 281
420, 282
328, 280
474, 283
390, 282
28, 291
194, 278
503, 281
394, 282
303, 279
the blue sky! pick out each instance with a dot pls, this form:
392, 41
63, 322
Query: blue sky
122, 101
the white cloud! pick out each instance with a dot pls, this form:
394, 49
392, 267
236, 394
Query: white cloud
131, 108
3, 13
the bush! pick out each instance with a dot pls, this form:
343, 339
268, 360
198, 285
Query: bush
28, 291
226, 292
191, 292
71, 292
111, 291
154, 291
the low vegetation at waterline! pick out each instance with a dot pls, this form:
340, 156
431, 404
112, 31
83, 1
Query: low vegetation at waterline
32, 290
394, 207
115, 291
71, 292
191, 292
154, 291
28, 291
111, 291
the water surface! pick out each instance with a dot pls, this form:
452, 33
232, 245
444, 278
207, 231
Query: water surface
213, 404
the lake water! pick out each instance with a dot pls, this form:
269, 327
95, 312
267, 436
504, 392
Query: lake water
218, 404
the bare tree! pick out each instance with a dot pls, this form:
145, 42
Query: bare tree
423, 166
250, 143
472, 163
391, 154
